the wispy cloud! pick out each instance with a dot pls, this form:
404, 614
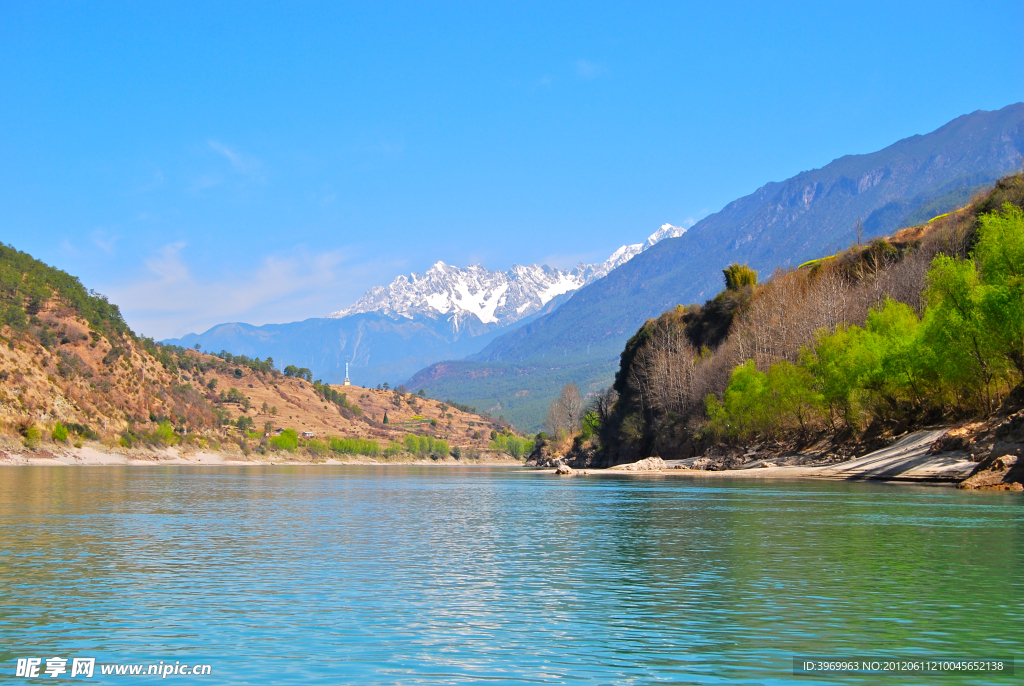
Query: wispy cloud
588, 70
104, 241
243, 164
169, 299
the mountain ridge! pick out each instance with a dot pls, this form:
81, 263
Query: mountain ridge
391, 332
781, 224
502, 297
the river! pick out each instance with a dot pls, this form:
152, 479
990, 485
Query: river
419, 575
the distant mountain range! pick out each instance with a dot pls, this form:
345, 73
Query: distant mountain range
779, 225
395, 330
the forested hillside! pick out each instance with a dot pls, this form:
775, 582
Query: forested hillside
854, 198
923, 327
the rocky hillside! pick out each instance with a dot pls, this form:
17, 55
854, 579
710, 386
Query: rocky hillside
73, 373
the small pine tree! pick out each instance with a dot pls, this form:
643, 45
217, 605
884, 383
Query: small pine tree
385, 418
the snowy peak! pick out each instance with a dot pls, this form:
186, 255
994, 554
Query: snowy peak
666, 231
628, 252
493, 297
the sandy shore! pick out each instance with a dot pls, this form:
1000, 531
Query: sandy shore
93, 456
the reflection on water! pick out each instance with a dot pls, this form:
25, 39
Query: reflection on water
427, 575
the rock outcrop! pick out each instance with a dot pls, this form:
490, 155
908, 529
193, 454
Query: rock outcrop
1003, 469
649, 464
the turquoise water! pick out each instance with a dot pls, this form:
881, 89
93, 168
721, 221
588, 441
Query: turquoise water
406, 575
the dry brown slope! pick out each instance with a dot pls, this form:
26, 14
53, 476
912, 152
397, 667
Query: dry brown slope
108, 387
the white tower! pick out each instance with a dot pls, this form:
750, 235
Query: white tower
347, 382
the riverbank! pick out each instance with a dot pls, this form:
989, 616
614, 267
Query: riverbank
913, 458
910, 459
99, 455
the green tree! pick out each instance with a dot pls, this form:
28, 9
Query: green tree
59, 433
515, 446
355, 446
837, 362
901, 374
738, 276
999, 254
164, 434
288, 440
31, 435
744, 402
955, 331
791, 397
591, 424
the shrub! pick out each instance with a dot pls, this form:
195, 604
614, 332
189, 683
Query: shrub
513, 445
233, 396
128, 438
31, 435
425, 446
59, 433
14, 317
288, 440
318, 448
163, 434
355, 446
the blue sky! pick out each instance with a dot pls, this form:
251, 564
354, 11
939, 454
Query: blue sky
268, 162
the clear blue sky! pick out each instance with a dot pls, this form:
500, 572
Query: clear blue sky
269, 162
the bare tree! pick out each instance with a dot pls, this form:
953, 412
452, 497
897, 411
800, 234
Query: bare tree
604, 404
565, 414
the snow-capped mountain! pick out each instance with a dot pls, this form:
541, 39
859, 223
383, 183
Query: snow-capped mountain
494, 297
